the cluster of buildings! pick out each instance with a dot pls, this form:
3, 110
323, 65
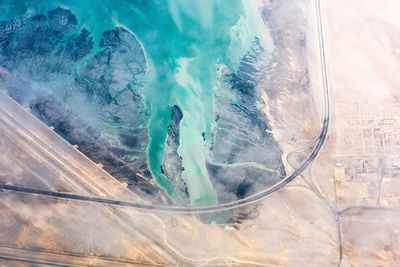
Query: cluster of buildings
367, 154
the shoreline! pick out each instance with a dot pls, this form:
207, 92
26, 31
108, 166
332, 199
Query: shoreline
287, 90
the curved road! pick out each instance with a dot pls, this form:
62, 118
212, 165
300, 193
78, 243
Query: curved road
226, 206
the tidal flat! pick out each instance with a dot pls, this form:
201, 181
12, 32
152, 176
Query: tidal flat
165, 96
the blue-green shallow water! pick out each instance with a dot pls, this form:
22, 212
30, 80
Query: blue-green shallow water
184, 41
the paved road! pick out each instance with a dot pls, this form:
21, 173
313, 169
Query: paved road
40, 257
226, 206
32, 136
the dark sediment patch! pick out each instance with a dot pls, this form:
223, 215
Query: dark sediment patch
92, 99
244, 158
172, 164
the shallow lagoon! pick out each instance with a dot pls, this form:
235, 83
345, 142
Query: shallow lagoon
190, 49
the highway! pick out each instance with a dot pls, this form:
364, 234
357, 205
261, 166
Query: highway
36, 256
225, 206
78, 174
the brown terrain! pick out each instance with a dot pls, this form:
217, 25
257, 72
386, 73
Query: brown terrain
343, 210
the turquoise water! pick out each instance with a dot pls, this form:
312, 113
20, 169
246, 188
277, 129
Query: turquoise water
184, 42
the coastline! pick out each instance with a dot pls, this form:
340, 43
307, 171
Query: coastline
288, 86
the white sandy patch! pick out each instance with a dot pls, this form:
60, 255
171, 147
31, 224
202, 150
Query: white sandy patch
363, 69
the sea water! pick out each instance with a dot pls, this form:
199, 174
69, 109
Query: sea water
184, 41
